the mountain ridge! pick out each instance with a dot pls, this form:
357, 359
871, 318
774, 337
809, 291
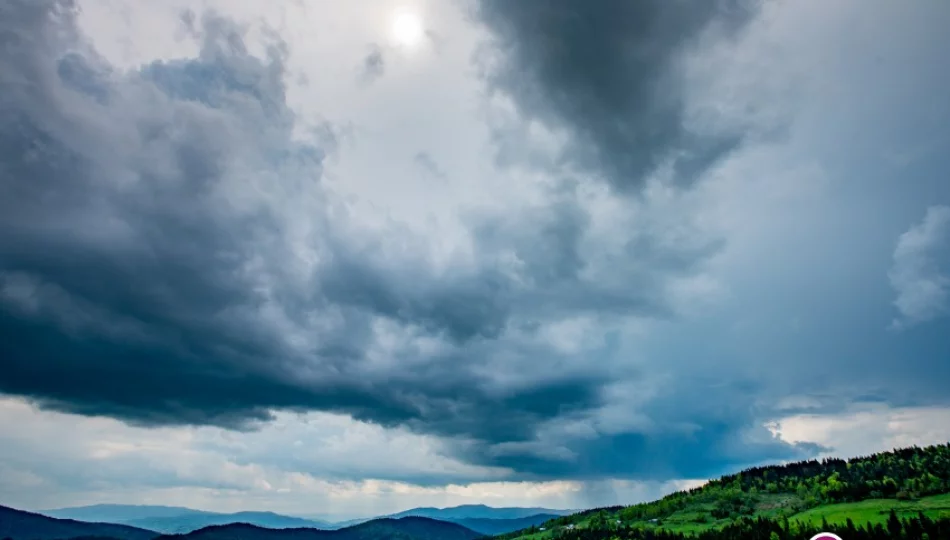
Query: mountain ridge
22, 525
406, 528
181, 520
478, 511
501, 526
110, 512
177, 519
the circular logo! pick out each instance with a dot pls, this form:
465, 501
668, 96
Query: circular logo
825, 536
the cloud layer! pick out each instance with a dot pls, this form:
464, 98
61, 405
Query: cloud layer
634, 265
301, 464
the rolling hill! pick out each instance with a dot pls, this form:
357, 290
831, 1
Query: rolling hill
21, 525
120, 513
407, 528
478, 517
913, 482
501, 526
188, 523
477, 511
178, 520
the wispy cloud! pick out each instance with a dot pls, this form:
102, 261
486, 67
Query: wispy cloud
429, 166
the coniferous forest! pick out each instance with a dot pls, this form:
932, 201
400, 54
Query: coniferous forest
788, 501
918, 528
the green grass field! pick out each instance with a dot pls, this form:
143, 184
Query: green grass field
792, 492
876, 510
696, 518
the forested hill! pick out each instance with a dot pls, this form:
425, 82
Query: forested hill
903, 474
919, 527
910, 481
21, 525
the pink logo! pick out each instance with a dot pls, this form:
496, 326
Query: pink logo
825, 536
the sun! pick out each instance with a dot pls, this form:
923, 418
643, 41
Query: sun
407, 28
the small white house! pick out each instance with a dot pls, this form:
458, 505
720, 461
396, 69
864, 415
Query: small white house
542, 529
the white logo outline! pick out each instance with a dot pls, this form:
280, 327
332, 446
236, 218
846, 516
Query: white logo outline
825, 535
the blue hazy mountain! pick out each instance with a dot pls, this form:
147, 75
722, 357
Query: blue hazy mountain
408, 528
114, 513
178, 520
478, 517
501, 526
21, 525
478, 511
191, 522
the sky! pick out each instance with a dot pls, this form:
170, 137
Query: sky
347, 258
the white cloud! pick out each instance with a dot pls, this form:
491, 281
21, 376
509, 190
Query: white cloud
291, 465
863, 430
922, 284
293, 452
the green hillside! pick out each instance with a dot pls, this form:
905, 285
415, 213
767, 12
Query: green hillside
913, 482
877, 510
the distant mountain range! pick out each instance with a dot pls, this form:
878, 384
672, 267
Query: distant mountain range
478, 511
503, 526
179, 520
478, 517
187, 523
485, 519
21, 525
116, 513
407, 528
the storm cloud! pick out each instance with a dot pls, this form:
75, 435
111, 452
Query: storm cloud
171, 257
174, 251
609, 73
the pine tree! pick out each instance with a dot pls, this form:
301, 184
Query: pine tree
894, 526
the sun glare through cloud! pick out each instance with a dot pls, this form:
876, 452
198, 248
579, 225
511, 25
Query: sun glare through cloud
408, 28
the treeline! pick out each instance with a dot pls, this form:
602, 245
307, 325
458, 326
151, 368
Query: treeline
573, 518
906, 473
916, 528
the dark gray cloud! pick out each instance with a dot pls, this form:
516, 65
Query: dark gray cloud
152, 270
131, 250
169, 255
607, 71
